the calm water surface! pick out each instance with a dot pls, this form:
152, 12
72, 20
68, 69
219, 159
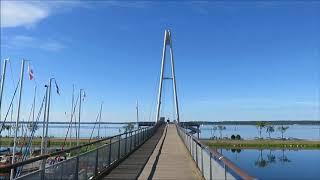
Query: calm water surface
277, 164
85, 130
311, 132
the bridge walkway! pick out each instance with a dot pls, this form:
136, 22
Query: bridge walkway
163, 156
133, 165
171, 159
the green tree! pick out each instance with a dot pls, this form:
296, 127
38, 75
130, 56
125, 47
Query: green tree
282, 129
6, 127
213, 131
32, 126
260, 125
270, 129
221, 128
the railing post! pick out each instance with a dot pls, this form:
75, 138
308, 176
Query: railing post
197, 154
225, 171
96, 164
189, 143
110, 152
119, 147
143, 132
202, 161
147, 133
43, 169
191, 147
135, 138
77, 168
131, 141
42, 174
125, 146
139, 136
61, 171
210, 165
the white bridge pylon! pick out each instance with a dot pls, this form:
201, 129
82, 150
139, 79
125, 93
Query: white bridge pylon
167, 42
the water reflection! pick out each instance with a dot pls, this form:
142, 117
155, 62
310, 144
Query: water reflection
284, 158
271, 157
264, 160
250, 132
276, 163
261, 162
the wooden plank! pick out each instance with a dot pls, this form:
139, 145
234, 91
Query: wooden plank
131, 167
174, 161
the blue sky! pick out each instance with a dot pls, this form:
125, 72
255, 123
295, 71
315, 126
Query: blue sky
234, 61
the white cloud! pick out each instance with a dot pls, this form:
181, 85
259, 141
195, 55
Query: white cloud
18, 13
29, 13
52, 45
28, 42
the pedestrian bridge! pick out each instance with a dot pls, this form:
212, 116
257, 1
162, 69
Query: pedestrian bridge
163, 151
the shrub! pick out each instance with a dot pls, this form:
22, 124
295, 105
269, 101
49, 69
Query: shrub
238, 137
233, 136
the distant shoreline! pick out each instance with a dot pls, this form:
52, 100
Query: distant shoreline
263, 144
273, 122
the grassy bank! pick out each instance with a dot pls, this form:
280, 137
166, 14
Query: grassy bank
263, 144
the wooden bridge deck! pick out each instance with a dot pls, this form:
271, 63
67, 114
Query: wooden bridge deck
131, 167
163, 156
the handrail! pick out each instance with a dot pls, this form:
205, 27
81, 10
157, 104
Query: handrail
45, 156
231, 165
215, 153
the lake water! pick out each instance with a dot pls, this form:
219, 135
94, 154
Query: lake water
60, 130
277, 164
311, 132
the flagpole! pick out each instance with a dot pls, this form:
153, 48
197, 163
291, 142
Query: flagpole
44, 126
34, 102
2, 82
47, 116
80, 99
33, 111
17, 122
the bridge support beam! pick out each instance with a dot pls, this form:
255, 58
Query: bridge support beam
167, 42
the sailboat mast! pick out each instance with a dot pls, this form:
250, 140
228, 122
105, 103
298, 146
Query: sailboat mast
80, 98
2, 82
47, 115
34, 102
71, 115
44, 120
33, 110
17, 122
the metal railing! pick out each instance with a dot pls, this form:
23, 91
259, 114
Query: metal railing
87, 165
211, 163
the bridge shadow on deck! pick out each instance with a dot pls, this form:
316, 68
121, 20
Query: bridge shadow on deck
132, 166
